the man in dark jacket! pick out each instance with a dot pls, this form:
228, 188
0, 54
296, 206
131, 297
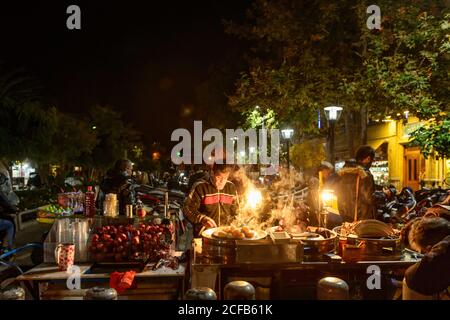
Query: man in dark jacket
357, 186
431, 275
118, 181
212, 202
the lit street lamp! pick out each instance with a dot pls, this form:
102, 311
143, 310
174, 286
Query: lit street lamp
332, 114
287, 135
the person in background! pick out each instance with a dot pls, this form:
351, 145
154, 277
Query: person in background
199, 172
34, 181
8, 206
356, 187
142, 178
118, 180
431, 237
173, 182
213, 201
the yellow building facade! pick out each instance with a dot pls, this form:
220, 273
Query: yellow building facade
397, 163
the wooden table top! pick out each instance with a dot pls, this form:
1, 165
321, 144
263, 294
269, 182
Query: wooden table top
49, 271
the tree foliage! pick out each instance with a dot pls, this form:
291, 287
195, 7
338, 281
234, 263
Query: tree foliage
256, 119
72, 141
26, 129
114, 137
302, 51
308, 154
410, 70
434, 139
309, 54
29, 130
17, 85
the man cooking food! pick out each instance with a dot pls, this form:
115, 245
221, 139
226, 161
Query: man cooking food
212, 201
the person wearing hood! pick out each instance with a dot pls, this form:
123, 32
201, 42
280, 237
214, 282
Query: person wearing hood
357, 186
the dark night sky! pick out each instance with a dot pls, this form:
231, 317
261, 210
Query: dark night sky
142, 57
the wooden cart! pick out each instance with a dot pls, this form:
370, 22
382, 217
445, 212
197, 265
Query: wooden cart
279, 279
45, 282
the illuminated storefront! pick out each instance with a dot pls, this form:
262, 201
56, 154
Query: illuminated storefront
397, 163
21, 171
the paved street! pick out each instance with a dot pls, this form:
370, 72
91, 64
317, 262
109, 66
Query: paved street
32, 233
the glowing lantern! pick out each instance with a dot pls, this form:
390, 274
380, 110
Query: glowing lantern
329, 199
254, 198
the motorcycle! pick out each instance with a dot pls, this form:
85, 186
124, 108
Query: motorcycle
426, 198
401, 208
392, 207
155, 199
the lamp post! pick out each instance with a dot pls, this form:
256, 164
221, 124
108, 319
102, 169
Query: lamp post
287, 135
332, 113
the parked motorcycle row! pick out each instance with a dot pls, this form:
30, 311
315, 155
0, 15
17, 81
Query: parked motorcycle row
393, 207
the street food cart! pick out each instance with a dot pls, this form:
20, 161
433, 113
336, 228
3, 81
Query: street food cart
291, 270
284, 261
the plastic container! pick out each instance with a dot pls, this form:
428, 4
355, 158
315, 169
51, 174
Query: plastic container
68, 230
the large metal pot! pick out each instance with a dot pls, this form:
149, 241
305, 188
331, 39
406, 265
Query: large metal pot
373, 248
221, 249
315, 246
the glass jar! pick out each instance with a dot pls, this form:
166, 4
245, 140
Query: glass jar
111, 206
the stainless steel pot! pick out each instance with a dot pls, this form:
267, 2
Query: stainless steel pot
221, 249
314, 246
375, 249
